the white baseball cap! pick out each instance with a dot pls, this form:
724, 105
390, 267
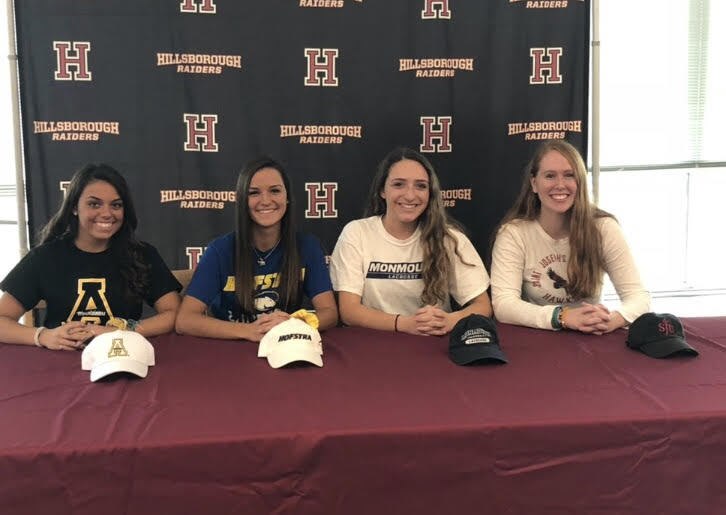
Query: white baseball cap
117, 351
291, 340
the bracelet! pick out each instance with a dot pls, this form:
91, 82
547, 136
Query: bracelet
131, 324
36, 337
556, 318
395, 323
561, 318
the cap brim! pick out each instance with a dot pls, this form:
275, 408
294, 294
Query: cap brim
486, 353
667, 347
119, 365
291, 352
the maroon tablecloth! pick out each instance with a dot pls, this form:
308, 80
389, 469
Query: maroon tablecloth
573, 424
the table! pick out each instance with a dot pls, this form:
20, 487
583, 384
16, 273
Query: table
573, 424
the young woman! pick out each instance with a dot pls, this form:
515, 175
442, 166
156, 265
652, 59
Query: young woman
553, 248
250, 279
90, 269
396, 269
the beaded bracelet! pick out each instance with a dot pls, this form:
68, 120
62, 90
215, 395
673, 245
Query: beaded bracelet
557, 318
561, 318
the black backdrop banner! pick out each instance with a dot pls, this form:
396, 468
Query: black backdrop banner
179, 94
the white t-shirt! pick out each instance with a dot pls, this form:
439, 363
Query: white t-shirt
387, 272
529, 273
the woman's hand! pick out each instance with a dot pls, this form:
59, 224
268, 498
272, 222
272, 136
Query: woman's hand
69, 336
588, 318
427, 321
433, 321
264, 323
616, 322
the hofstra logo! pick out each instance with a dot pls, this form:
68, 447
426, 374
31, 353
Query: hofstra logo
433, 67
320, 134
209, 64
198, 199
334, 4
75, 131
544, 4
294, 336
544, 130
449, 197
381, 270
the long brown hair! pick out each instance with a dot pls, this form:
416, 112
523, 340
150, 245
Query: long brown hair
586, 263
123, 246
289, 274
435, 224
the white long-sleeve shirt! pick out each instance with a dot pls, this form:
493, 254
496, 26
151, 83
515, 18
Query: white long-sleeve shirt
529, 274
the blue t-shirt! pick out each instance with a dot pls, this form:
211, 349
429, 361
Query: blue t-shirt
213, 281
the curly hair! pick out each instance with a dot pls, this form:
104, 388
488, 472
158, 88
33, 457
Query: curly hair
436, 226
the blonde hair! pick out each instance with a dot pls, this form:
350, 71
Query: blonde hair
435, 224
586, 263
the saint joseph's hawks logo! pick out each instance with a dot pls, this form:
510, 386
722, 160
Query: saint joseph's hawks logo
666, 328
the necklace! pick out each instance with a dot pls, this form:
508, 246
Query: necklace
261, 259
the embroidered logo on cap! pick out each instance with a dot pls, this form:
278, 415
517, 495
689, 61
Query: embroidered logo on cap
666, 328
117, 348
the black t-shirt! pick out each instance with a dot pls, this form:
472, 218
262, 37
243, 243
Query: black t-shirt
84, 286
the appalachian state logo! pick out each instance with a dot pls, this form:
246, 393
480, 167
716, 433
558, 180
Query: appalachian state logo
117, 348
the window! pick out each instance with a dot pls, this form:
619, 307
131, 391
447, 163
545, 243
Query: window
663, 160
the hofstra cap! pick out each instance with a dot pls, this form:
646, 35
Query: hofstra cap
659, 335
290, 341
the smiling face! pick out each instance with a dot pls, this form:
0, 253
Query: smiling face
555, 184
100, 212
406, 192
267, 198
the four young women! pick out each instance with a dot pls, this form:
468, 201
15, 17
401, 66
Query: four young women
397, 269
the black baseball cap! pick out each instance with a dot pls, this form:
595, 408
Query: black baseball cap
659, 335
475, 339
